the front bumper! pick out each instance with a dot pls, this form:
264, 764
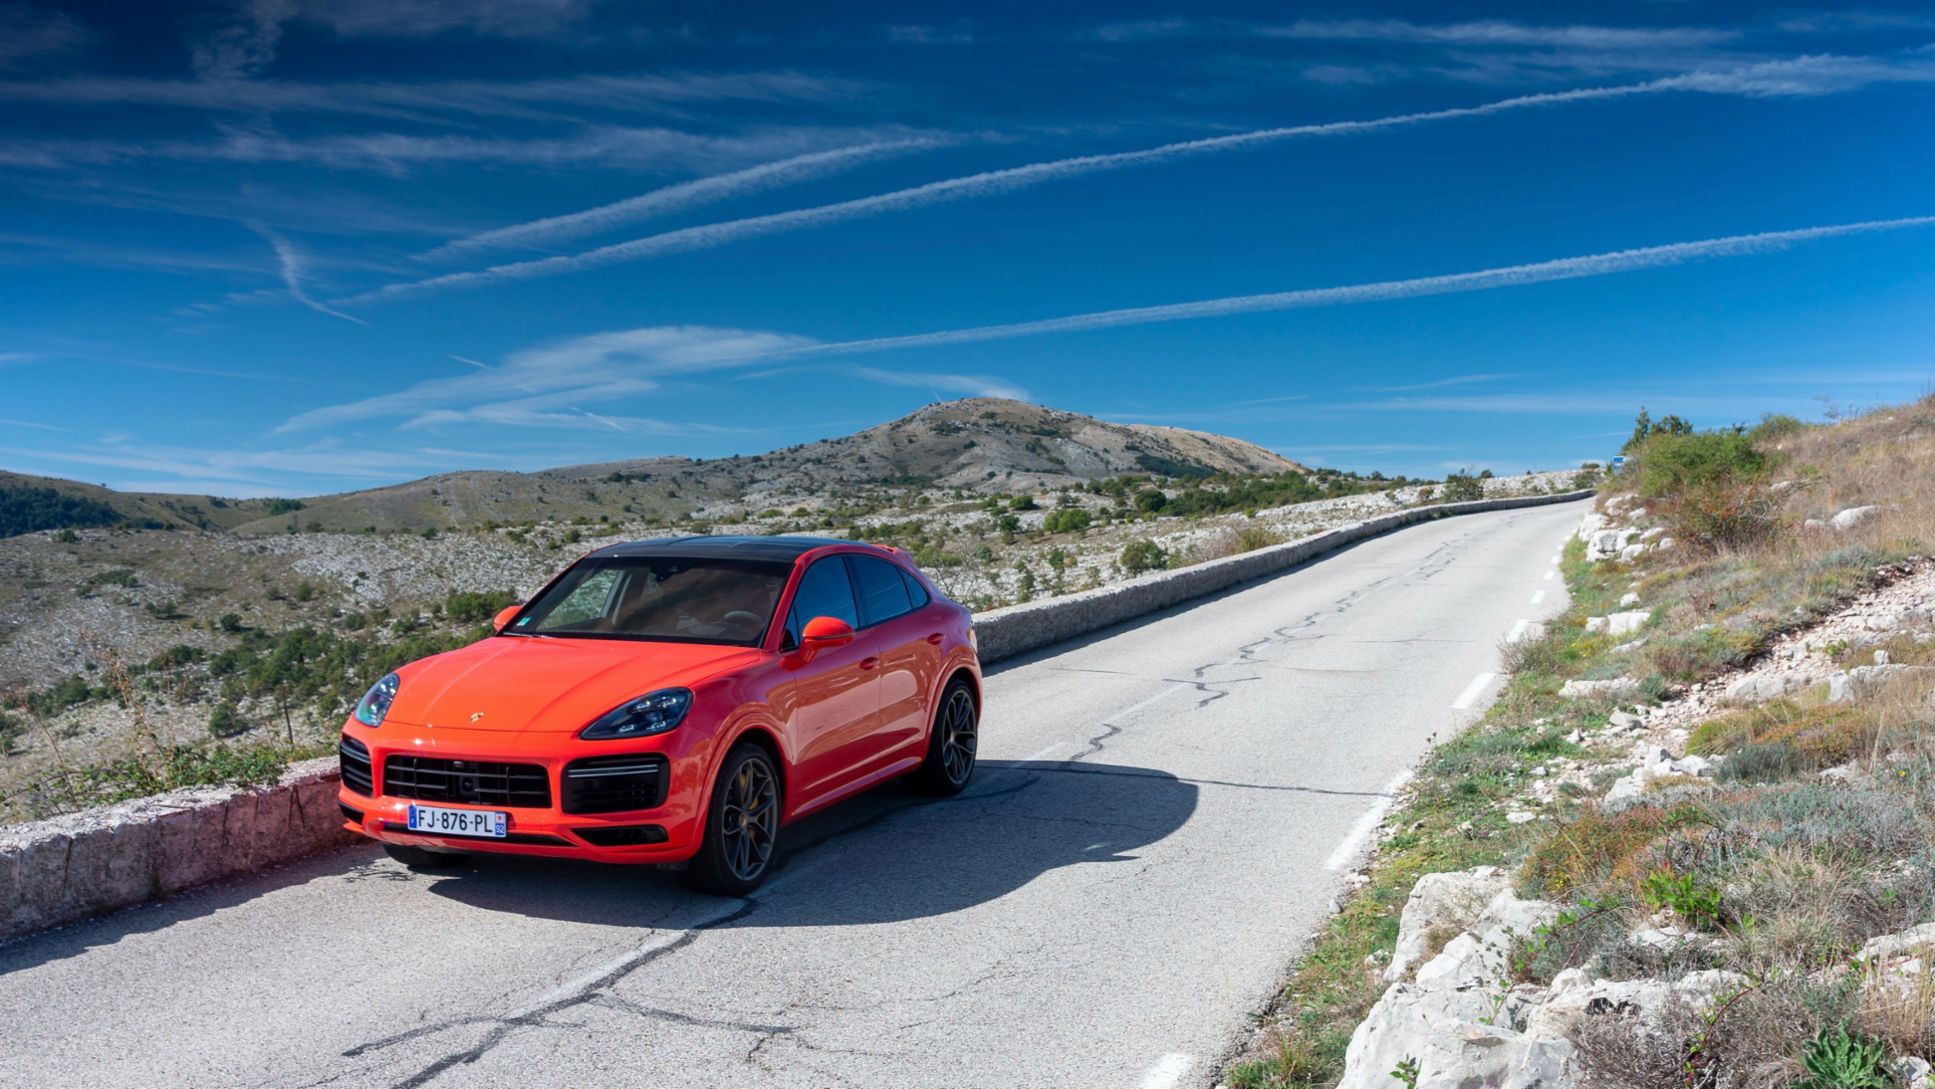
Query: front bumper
667, 831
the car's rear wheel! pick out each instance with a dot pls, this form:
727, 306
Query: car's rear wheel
951, 743
422, 858
741, 838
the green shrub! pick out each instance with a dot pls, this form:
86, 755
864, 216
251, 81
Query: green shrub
466, 607
225, 721
1774, 427
1673, 463
1463, 488
1150, 500
1140, 556
1071, 520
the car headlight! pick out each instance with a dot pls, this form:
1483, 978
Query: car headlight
376, 702
651, 713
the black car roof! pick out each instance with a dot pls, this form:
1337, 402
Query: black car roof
782, 549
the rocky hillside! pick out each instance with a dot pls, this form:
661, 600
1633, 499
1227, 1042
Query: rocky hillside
980, 444
1688, 846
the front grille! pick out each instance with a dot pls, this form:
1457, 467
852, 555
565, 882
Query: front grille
354, 757
614, 784
474, 782
353, 816
624, 835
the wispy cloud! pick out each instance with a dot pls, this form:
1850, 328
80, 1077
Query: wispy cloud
580, 367
31, 424
1566, 268
1790, 78
243, 45
397, 153
689, 194
1441, 383
592, 369
291, 261
973, 385
29, 33
1483, 32
537, 99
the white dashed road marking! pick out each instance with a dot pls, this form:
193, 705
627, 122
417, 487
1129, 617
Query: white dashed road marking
1518, 631
1472, 691
1538, 597
1167, 1072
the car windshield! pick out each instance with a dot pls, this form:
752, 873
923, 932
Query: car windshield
659, 598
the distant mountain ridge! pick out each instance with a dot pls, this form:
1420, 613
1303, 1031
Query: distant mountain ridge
982, 444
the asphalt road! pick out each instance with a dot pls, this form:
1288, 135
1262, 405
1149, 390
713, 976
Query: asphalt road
1161, 816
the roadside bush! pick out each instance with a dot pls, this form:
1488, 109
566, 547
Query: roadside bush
1674, 463
1463, 488
1715, 514
1140, 556
225, 721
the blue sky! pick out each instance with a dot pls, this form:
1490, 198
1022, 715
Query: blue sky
299, 246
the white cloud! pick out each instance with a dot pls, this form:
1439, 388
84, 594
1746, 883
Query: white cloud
530, 99
291, 263
1791, 78
973, 385
688, 194
586, 372
1566, 268
1440, 383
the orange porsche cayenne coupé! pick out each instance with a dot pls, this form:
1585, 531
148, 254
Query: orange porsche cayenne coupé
671, 701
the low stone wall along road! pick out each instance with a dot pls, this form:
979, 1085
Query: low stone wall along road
1162, 815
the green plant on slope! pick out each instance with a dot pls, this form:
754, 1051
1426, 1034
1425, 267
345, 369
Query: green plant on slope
1835, 1059
1696, 903
1407, 1072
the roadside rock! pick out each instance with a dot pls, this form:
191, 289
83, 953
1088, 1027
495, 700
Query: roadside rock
1624, 623
1445, 1033
1853, 516
1611, 688
1441, 902
1864, 681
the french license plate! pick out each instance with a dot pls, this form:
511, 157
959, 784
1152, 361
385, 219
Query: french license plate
439, 821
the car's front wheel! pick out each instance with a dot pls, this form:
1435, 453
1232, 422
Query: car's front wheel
421, 858
951, 743
741, 838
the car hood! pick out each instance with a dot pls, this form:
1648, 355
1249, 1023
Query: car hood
553, 685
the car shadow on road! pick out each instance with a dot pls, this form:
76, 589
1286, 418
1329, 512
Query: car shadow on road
887, 856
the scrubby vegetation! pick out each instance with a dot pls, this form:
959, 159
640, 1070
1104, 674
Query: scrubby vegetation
28, 510
1787, 872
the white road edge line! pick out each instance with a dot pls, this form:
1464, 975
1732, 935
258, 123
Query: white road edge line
1538, 597
1353, 841
1518, 631
1472, 691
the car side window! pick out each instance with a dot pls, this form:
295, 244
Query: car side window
882, 595
825, 590
917, 595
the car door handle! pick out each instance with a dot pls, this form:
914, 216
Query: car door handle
936, 638
869, 662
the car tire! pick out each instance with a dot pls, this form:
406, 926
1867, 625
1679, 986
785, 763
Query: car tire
949, 764
741, 839
422, 858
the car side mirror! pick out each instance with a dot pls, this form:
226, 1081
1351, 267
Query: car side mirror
503, 618
823, 633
